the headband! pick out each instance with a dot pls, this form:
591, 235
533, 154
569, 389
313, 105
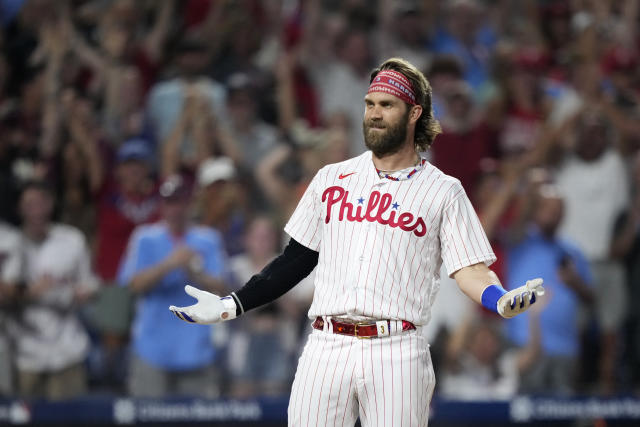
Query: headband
393, 83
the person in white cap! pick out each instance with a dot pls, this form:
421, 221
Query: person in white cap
219, 201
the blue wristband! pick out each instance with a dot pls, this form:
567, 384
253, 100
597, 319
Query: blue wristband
490, 297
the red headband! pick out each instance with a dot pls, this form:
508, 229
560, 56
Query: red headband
394, 83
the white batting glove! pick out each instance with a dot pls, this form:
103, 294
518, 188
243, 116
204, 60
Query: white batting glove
209, 309
520, 299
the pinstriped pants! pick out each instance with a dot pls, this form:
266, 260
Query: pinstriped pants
386, 381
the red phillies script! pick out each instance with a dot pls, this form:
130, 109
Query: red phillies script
406, 220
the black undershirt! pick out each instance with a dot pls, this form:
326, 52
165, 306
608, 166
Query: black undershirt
279, 276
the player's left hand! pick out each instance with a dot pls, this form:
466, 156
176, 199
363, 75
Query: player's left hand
520, 299
209, 309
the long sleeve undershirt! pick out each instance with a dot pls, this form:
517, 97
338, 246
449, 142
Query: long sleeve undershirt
294, 264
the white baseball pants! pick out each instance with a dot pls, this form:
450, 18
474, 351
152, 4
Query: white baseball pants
387, 381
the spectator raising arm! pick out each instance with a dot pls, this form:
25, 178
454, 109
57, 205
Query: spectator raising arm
170, 151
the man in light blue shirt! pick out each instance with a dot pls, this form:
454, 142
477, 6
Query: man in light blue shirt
567, 279
469, 38
170, 356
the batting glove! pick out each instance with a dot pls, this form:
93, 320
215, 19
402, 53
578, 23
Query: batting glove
520, 299
209, 309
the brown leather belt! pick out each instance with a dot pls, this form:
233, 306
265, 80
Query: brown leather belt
360, 329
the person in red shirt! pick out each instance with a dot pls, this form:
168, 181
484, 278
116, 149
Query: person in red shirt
465, 137
128, 198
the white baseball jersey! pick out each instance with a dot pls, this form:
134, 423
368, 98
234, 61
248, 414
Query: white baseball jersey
381, 242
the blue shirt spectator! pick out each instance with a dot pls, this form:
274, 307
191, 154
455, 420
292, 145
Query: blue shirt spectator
172, 357
475, 58
539, 256
158, 338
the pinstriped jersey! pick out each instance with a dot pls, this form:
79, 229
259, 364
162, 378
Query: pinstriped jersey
381, 242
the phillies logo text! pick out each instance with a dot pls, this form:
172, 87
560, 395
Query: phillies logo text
406, 220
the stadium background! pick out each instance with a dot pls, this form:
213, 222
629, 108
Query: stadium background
538, 100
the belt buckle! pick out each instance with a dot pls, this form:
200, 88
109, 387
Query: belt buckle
355, 330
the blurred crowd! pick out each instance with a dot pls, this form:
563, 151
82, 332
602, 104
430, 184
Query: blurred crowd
149, 144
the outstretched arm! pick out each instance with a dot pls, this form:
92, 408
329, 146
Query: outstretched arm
483, 286
282, 274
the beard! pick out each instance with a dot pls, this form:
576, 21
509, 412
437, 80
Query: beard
388, 141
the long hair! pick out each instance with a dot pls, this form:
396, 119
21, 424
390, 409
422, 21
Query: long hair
427, 127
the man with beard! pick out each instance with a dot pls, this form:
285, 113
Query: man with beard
378, 227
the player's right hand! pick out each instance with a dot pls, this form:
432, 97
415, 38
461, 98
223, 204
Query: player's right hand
209, 309
520, 299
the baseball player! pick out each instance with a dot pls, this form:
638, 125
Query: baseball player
377, 227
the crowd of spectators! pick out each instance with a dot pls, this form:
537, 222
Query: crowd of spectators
149, 144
